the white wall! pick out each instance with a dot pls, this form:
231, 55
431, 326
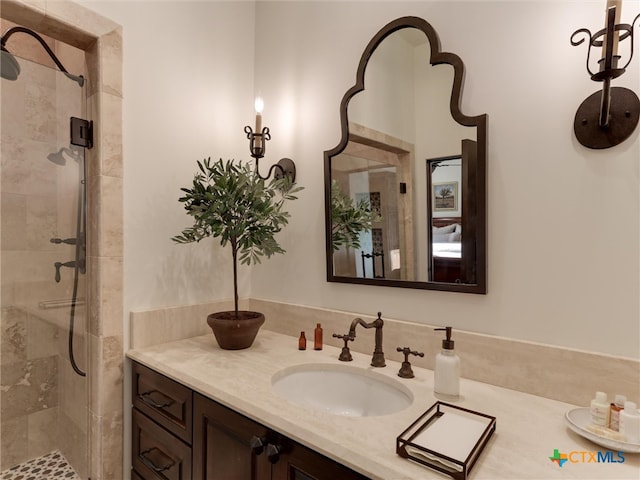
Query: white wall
563, 220
188, 93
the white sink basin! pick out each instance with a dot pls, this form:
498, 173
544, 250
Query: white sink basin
342, 390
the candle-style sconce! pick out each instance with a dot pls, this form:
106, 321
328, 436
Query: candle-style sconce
257, 147
607, 117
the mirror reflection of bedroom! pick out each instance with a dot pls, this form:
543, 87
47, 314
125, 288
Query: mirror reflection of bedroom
446, 218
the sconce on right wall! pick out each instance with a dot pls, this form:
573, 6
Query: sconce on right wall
608, 117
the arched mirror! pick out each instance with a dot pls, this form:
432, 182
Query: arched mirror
405, 189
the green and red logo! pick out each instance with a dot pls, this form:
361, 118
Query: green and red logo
578, 456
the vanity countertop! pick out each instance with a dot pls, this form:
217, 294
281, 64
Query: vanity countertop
528, 430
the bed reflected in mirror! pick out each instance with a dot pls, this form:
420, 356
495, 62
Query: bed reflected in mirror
445, 180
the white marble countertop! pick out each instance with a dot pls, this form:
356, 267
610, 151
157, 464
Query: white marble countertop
529, 428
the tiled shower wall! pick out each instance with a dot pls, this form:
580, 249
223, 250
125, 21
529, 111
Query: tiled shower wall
101, 40
43, 403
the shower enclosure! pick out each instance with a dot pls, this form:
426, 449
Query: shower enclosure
44, 352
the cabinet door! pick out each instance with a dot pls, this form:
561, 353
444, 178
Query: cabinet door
298, 462
222, 444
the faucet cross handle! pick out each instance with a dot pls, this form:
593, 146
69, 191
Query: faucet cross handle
345, 354
405, 370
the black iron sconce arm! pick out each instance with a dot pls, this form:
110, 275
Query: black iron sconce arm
607, 117
258, 147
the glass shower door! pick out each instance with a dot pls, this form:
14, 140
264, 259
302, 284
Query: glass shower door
44, 391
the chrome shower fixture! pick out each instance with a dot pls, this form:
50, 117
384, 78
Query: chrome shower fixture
10, 68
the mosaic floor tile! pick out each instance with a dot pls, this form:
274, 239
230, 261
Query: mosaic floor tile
52, 466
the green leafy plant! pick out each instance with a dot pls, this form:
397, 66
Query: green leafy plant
229, 201
349, 218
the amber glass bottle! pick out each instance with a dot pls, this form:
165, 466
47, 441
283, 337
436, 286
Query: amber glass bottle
302, 342
317, 338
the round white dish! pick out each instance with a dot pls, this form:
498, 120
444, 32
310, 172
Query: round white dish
579, 418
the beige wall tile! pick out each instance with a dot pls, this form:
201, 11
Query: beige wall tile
28, 387
95, 447
72, 443
74, 23
42, 432
14, 221
43, 339
110, 135
105, 315
112, 431
30, 13
13, 111
13, 445
105, 227
14, 336
110, 46
169, 324
107, 380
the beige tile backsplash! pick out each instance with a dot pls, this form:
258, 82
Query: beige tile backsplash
558, 373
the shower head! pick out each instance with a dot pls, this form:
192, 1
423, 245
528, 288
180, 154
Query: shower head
10, 68
58, 157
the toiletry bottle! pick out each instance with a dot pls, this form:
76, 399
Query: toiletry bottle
317, 338
630, 422
600, 410
614, 412
447, 371
302, 342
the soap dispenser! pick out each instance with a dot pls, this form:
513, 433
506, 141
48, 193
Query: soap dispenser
447, 371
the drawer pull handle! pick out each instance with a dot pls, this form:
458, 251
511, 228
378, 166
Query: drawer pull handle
273, 452
146, 398
257, 444
151, 464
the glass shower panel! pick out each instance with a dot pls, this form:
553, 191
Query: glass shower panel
44, 399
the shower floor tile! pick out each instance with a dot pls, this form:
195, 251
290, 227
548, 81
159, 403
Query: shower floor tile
50, 466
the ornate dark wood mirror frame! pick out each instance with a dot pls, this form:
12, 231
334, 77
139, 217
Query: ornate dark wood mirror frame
474, 276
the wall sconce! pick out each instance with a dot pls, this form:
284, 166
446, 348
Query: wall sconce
257, 147
610, 116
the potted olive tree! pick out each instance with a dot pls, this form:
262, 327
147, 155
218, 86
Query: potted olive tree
349, 219
229, 201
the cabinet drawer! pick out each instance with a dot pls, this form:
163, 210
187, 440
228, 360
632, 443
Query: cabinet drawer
157, 454
165, 401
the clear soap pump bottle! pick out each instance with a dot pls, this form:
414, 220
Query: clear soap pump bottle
447, 370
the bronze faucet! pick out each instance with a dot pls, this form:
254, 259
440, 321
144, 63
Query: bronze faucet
378, 356
345, 354
406, 371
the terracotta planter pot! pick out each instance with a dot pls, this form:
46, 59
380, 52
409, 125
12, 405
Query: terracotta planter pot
235, 333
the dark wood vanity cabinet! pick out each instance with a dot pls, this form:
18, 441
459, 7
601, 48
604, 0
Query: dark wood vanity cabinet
196, 438
229, 444
234, 447
161, 427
